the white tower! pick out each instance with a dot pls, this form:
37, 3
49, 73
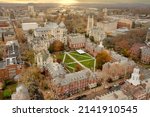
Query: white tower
135, 78
90, 23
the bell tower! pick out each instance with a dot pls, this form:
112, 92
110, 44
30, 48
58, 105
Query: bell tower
90, 23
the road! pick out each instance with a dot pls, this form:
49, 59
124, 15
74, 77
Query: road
98, 91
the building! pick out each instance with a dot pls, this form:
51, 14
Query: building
12, 64
76, 41
148, 37
117, 57
70, 83
9, 35
118, 70
21, 93
115, 95
124, 23
42, 58
29, 26
90, 23
145, 55
40, 43
76, 82
134, 88
135, 77
95, 31
59, 32
31, 10
93, 49
107, 26
98, 34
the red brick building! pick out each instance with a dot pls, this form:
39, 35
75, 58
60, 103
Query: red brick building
10, 71
145, 55
124, 23
76, 41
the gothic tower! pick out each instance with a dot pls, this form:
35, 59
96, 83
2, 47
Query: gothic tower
90, 23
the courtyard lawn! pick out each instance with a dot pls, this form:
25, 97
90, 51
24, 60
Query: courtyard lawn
85, 59
80, 57
68, 59
89, 64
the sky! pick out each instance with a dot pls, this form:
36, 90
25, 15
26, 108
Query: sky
76, 1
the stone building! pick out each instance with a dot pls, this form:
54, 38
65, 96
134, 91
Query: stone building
12, 64
58, 31
70, 83
116, 70
93, 49
76, 41
42, 58
145, 55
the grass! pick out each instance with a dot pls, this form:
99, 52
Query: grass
80, 57
68, 59
88, 64
9, 89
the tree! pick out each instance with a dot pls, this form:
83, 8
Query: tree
92, 38
78, 68
31, 77
30, 31
51, 48
56, 46
28, 55
38, 84
102, 58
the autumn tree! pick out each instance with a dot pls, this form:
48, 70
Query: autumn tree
56, 46
30, 31
38, 85
31, 77
28, 56
78, 68
102, 58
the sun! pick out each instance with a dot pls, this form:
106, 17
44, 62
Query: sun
68, 1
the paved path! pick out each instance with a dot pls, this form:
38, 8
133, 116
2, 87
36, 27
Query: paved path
76, 60
79, 61
80, 55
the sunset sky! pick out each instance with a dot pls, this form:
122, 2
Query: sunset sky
76, 1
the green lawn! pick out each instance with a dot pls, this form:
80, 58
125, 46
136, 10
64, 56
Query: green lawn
88, 64
87, 60
68, 59
8, 90
80, 57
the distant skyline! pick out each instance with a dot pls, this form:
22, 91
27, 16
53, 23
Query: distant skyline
75, 1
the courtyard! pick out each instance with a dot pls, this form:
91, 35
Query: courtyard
74, 61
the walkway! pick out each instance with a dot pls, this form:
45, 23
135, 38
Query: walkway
76, 60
